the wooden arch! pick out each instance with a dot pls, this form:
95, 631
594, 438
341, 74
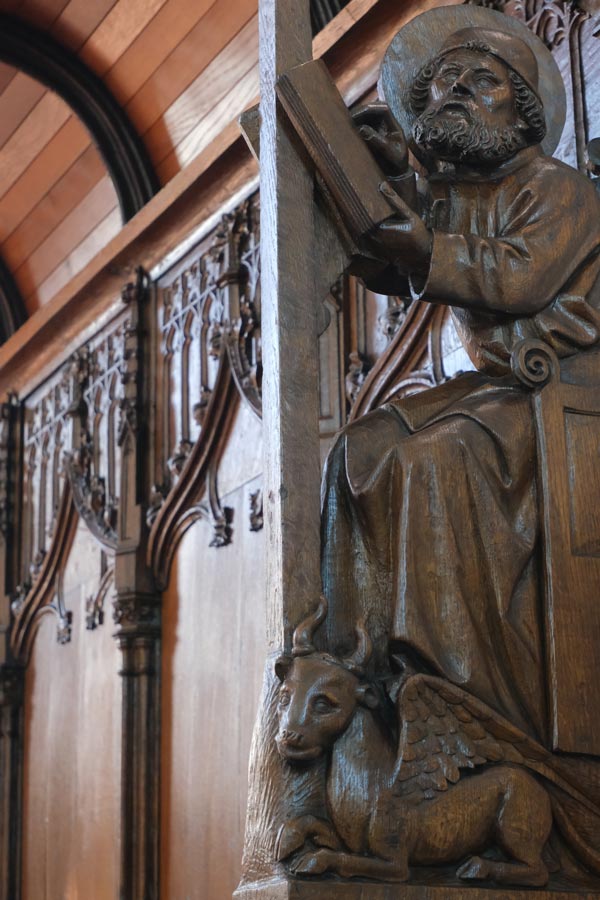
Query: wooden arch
35, 53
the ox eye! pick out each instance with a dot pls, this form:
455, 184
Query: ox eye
284, 699
323, 704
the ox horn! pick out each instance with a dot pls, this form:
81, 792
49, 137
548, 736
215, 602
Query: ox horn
303, 634
364, 648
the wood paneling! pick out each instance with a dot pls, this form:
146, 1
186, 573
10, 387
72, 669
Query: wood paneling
7, 73
118, 29
184, 72
72, 750
223, 77
211, 682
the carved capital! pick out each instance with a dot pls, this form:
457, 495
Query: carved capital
135, 611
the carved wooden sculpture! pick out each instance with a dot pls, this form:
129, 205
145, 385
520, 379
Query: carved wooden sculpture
419, 808
444, 512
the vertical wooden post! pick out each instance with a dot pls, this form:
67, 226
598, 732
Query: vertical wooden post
11, 777
137, 616
289, 321
290, 412
12, 676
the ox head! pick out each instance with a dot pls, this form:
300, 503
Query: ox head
319, 693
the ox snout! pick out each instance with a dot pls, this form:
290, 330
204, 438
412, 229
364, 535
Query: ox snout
291, 746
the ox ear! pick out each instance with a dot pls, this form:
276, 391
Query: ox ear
367, 696
282, 666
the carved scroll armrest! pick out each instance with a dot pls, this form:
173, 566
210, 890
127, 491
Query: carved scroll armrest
534, 363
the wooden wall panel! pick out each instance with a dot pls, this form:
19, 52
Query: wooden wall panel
72, 749
213, 658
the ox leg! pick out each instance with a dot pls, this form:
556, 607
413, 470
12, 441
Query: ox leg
350, 865
523, 825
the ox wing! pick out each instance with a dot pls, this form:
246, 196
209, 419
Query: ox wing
444, 730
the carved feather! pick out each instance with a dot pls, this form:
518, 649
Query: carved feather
444, 730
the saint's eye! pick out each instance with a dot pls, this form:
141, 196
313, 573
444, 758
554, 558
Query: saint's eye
450, 74
284, 698
486, 79
323, 704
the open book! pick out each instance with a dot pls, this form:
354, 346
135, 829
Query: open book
344, 162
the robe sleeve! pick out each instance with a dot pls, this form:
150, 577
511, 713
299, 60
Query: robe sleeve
383, 277
546, 237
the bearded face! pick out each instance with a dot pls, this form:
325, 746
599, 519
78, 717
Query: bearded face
466, 138
470, 113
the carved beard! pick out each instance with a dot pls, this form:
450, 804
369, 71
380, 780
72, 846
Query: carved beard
466, 138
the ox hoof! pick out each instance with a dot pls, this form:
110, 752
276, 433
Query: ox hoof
475, 869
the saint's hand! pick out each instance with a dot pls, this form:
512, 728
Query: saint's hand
403, 239
384, 138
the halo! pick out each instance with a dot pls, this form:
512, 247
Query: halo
421, 38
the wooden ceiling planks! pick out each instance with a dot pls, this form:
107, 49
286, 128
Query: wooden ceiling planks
183, 70
77, 259
78, 20
77, 182
7, 73
78, 224
165, 39
25, 193
26, 142
17, 100
115, 34
206, 91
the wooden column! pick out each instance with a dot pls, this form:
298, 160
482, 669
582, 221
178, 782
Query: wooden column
11, 780
137, 616
11, 675
290, 418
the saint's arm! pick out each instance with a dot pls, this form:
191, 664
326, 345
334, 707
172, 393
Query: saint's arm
546, 238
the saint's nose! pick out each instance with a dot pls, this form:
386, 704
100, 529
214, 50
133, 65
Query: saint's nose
461, 86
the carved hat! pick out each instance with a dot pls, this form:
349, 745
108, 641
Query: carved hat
440, 31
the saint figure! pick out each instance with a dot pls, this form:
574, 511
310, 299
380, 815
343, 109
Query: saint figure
431, 527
